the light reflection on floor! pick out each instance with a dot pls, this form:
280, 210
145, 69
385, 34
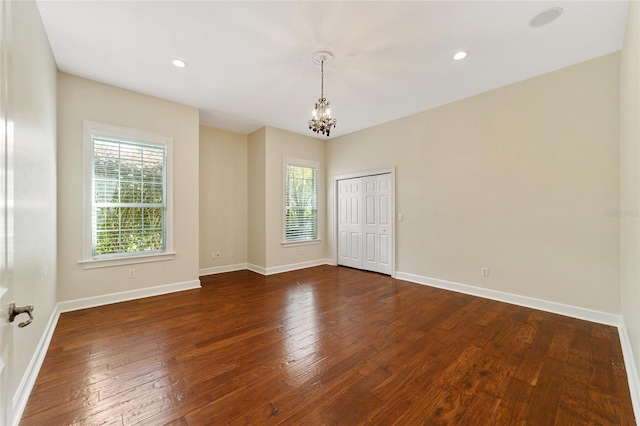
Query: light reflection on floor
300, 325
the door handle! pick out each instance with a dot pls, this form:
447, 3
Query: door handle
14, 312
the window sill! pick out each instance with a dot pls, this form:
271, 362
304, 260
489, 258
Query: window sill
128, 260
300, 243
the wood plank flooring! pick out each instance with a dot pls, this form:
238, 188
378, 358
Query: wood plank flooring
327, 345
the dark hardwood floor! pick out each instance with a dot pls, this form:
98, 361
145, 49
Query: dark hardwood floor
327, 345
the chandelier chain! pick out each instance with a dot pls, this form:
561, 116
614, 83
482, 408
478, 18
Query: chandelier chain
322, 79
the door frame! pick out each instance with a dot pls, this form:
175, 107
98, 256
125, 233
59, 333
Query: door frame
7, 395
336, 213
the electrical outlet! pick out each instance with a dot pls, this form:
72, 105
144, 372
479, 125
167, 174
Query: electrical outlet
217, 254
485, 271
232, 253
132, 273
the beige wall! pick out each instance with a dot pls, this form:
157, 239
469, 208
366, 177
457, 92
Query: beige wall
281, 144
32, 107
522, 180
518, 180
81, 99
630, 178
266, 152
256, 232
223, 197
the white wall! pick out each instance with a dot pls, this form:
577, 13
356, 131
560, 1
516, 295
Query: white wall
518, 179
32, 107
630, 178
223, 198
81, 99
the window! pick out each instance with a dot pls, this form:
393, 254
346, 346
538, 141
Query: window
128, 199
301, 207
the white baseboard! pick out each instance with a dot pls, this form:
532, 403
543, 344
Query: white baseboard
257, 269
630, 367
515, 299
222, 269
33, 369
266, 271
287, 268
554, 307
29, 379
295, 266
107, 299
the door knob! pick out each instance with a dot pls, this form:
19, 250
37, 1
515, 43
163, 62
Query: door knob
14, 312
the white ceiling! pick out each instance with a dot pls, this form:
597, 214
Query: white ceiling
250, 63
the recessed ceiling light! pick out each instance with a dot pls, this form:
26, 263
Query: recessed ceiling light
546, 17
177, 62
460, 55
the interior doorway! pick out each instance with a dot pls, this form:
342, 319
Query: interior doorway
365, 221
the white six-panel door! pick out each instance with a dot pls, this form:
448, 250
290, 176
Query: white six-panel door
365, 229
350, 222
377, 223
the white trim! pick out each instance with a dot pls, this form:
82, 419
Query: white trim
257, 269
336, 213
266, 271
557, 308
295, 266
93, 128
363, 174
126, 260
21, 397
124, 296
287, 268
300, 162
630, 367
29, 378
300, 243
222, 269
515, 299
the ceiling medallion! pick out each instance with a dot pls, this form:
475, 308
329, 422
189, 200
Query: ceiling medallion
321, 122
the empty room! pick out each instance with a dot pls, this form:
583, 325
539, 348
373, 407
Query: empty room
323, 212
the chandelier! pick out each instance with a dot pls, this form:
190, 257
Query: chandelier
321, 122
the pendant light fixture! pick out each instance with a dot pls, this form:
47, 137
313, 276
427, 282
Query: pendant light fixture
321, 122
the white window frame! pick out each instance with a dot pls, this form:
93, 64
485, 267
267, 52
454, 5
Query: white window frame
300, 163
93, 129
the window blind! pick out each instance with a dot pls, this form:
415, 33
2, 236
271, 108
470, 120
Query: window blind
301, 222
129, 197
